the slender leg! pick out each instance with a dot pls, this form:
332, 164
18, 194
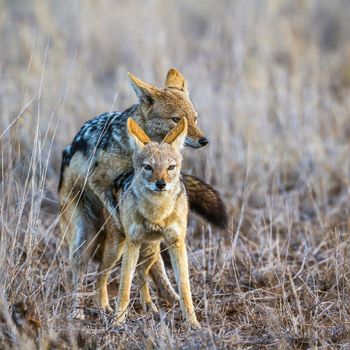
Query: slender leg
81, 247
160, 279
179, 261
112, 252
151, 255
130, 258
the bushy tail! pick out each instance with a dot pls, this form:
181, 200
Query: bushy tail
205, 201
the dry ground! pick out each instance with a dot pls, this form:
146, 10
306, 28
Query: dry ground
271, 82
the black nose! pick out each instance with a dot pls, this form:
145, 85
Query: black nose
203, 141
160, 184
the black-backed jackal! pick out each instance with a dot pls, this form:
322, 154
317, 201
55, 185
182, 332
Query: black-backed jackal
152, 208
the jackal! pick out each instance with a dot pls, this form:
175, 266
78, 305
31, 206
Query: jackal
100, 159
152, 208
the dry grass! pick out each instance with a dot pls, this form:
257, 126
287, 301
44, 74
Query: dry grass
271, 82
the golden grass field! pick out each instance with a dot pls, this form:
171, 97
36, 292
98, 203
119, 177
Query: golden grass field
271, 82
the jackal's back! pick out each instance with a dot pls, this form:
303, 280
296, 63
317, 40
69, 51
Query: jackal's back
105, 132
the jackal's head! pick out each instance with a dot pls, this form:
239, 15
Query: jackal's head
157, 165
163, 108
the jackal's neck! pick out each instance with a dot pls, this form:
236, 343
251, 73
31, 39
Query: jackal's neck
119, 128
150, 128
120, 132
139, 117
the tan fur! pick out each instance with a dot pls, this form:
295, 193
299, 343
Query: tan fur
137, 133
175, 80
173, 134
148, 217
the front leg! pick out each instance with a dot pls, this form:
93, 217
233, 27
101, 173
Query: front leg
112, 251
103, 187
179, 261
130, 258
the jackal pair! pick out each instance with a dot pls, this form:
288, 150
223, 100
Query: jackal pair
98, 170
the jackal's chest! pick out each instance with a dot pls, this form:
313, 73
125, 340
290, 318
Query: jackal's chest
151, 229
151, 220
149, 232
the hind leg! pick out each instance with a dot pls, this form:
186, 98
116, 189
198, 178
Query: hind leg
164, 288
111, 254
80, 233
149, 257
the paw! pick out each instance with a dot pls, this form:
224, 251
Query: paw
106, 309
150, 307
118, 322
194, 324
119, 318
169, 296
175, 297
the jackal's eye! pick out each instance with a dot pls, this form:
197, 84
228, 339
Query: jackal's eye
147, 167
176, 119
171, 167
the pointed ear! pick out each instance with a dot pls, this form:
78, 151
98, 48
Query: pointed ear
175, 79
144, 91
137, 135
176, 137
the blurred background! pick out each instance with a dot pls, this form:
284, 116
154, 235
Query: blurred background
270, 80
